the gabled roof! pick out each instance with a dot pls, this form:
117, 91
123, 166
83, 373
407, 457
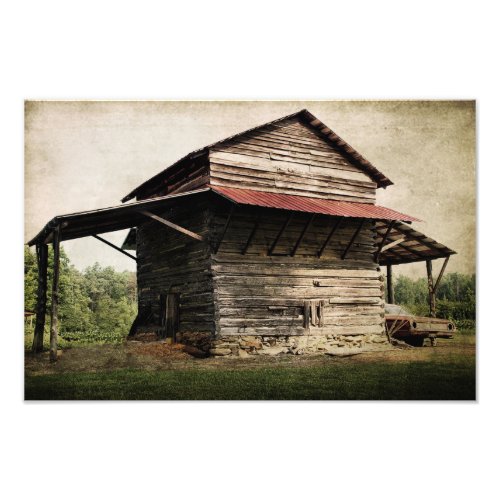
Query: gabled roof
308, 119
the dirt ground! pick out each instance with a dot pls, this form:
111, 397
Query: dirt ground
161, 356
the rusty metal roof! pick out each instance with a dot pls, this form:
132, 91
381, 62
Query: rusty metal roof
311, 205
305, 117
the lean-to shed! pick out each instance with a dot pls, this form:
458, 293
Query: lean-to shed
267, 239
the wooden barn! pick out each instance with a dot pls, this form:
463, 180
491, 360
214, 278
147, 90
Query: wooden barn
267, 241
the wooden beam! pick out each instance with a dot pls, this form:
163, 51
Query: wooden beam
281, 231
354, 236
172, 225
42, 252
302, 234
389, 229
55, 295
390, 289
114, 246
392, 244
251, 236
329, 237
226, 225
430, 286
445, 263
418, 238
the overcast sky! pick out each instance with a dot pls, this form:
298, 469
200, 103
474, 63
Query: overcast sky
86, 155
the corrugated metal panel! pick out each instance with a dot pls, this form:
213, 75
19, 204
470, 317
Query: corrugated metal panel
311, 205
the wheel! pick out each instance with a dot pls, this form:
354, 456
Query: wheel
415, 341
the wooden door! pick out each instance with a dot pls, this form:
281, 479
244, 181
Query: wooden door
169, 315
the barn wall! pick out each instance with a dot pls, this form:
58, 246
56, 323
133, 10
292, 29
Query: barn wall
257, 294
289, 158
168, 260
188, 175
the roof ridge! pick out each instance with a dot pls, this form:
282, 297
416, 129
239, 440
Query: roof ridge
309, 119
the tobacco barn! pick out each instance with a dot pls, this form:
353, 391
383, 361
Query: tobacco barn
269, 240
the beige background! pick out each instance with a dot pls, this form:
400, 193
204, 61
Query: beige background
86, 155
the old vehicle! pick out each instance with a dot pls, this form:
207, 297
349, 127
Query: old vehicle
413, 330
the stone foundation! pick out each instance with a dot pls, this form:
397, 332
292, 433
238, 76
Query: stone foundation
248, 345
307, 344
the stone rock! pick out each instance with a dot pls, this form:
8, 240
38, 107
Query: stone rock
243, 354
253, 343
345, 351
220, 351
194, 351
272, 351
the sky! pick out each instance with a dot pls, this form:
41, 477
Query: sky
82, 155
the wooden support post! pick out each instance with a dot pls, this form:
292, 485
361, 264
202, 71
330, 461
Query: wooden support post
226, 225
302, 234
390, 289
113, 246
389, 229
55, 295
445, 263
430, 286
354, 236
42, 252
329, 237
172, 225
251, 236
281, 231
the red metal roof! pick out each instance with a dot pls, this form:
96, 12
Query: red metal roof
311, 205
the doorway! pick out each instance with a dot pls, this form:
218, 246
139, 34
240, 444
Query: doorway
169, 315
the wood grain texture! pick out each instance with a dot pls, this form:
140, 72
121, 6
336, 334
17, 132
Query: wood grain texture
290, 159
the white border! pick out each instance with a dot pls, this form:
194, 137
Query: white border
216, 50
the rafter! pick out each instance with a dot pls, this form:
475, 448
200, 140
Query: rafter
354, 236
114, 246
281, 231
329, 237
302, 234
172, 225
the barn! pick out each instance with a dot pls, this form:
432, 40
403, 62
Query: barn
266, 241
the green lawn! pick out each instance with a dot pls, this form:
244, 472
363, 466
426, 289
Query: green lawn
429, 380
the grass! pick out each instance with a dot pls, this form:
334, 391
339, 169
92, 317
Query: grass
131, 372
367, 381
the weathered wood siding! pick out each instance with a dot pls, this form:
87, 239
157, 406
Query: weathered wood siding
186, 176
289, 158
257, 294
169, 261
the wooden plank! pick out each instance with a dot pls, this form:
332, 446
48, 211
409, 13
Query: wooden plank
389, 229
251, 236
41, 302
430, 286
55, 295
445, 263
302, 234
172, 225
392, 244
224, 230
329, 237
390, 289
358, 229
281, 231
114, 246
